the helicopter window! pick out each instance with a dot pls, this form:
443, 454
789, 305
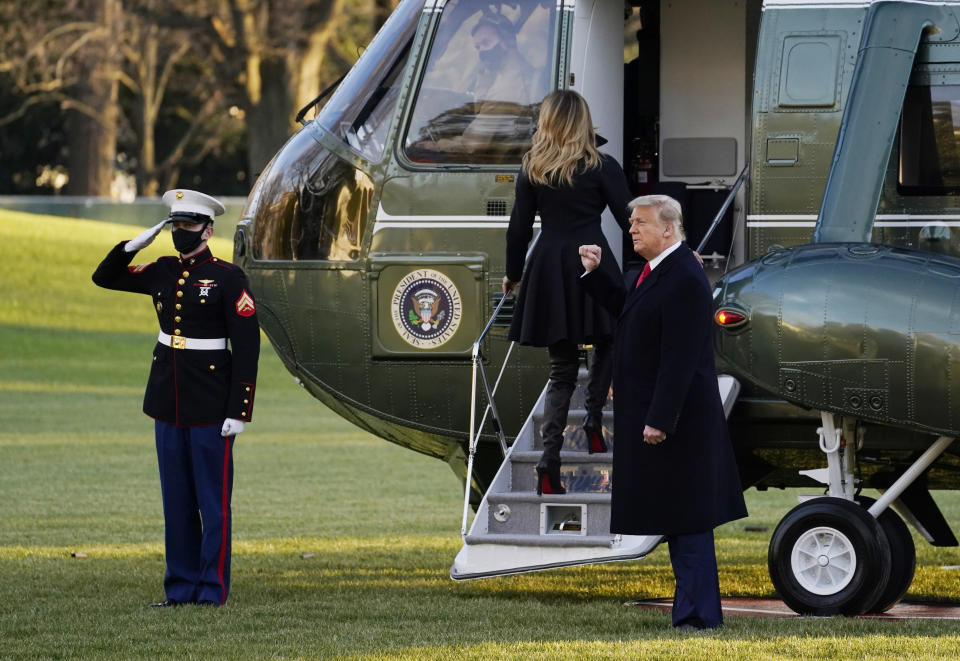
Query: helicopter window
930, 141
368, 132
359, 111
489, 66
312, 205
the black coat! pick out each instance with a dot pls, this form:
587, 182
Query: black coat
551, 306
193, 387
664, 376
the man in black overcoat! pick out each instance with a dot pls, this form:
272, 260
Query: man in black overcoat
674, 471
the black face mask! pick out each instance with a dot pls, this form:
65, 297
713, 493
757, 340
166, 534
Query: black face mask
186, 241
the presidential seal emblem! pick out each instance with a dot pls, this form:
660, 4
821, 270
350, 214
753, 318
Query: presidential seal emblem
426, 308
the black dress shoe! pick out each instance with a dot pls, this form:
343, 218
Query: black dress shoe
692, 628
166, 603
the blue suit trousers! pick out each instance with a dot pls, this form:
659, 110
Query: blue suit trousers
196, 481
697, 598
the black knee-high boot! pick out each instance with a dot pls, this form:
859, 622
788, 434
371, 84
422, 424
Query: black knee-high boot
598, 386
564, 363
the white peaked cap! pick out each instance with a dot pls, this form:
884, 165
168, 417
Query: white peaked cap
181, 200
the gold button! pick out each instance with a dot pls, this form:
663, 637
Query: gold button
243, 413
246, 401
177, 319
203, 300
178, 306
176, 331
186, 274
214, 259
154, 357
179, 294
159, 294
248, 388
212, 367
181, 281
192, 260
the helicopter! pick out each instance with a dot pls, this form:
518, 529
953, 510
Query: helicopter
812, 146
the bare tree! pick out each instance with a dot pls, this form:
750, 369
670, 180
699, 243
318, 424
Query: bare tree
65, 52
207, 64
153, 56
272, 56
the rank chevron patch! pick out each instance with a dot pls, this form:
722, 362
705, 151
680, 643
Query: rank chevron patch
245, 306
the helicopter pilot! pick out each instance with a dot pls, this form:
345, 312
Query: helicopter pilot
502, 81
199, 393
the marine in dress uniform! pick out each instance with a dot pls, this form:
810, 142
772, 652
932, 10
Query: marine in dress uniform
200, 393
674, 470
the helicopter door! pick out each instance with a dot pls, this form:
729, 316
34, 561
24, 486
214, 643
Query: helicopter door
687, 67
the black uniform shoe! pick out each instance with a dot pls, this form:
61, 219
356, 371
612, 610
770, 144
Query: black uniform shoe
166, 603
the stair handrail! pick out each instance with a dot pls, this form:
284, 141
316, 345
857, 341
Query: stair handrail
477, 358
723, 208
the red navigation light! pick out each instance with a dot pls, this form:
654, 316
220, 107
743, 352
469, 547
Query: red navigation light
728, 318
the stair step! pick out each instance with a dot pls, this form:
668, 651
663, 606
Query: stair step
579, 472
605, 541
584, 514
579, 398
566, 457
573, 436
587, 498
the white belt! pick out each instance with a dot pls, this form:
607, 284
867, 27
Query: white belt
178, 342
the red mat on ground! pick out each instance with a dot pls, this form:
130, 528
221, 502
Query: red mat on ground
776, 608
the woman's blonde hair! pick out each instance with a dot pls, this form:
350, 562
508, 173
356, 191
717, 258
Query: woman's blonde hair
564, 139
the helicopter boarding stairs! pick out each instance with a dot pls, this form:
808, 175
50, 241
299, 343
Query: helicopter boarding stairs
516, 531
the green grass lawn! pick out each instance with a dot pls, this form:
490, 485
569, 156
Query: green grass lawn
341, 542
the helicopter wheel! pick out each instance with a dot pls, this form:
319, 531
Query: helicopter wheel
903, 558
828, 556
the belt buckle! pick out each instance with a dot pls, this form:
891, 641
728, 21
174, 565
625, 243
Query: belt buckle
178, 342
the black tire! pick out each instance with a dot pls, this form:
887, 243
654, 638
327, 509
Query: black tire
903, 558
860, 581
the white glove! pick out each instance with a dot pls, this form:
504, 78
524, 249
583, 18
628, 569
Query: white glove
145, 238
231, 427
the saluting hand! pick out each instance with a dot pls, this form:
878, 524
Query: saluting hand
652, 435
145, 238
590, 257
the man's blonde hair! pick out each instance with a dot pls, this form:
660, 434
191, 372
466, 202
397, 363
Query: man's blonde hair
668, 211
563, 140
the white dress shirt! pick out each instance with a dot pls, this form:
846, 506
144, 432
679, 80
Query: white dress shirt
662, 256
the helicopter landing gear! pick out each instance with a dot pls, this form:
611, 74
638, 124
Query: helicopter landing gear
828, 556
831, 556
903, 558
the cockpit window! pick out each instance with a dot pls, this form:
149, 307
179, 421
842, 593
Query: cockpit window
310, 205
489, 66
930, 141
360, 110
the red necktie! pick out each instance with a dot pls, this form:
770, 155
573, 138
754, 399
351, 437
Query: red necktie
644, 273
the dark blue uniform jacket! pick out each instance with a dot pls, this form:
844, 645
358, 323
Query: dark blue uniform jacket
200, 297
